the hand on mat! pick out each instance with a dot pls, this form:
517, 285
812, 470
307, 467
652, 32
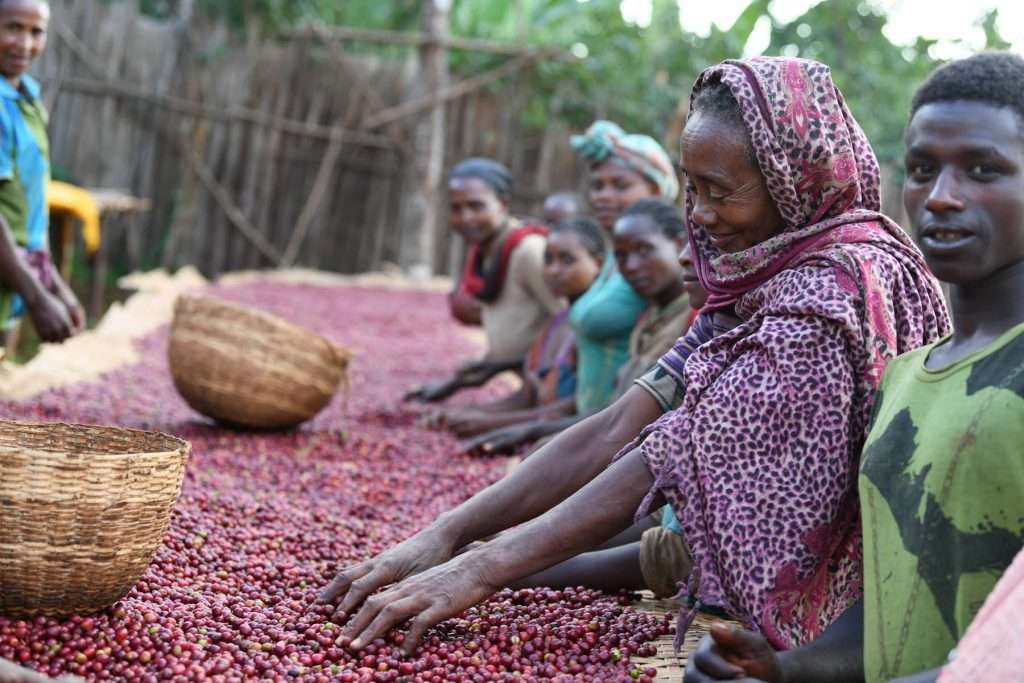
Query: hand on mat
730, 653
435, 391
466, 423
50, 316
423, 600
503, 440
421, 552
74, 308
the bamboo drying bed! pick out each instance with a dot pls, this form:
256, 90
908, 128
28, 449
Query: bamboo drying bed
670, 666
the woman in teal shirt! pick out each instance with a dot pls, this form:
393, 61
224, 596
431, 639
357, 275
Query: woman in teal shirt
623, 169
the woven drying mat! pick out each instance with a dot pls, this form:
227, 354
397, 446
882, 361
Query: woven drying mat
388, 279
671, 667
111, 345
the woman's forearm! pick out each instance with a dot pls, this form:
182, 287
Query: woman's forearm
592, 515
521, 399
15, 275
553, 473
548, 412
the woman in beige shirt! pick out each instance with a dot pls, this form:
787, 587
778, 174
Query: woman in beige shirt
504, 272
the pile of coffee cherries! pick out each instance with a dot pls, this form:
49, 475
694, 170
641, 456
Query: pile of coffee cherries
266, 519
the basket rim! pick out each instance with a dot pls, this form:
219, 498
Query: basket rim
173, 443
342, 353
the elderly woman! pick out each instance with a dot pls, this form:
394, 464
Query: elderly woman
942, 474
812, 292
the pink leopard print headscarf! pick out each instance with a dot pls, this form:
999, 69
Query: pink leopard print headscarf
760, 462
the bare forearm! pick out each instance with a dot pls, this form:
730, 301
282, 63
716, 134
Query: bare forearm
14, 273
836, 657
520, 400
592, 515
553, 473
482, 371
538, 414
549, 426
609, 570
556, 412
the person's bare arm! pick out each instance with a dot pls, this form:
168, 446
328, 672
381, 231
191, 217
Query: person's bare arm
516, 427
48, 313
545, 479
590, 516
732, 653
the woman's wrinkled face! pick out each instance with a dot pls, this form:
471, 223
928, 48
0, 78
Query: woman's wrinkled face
964, 189
694, 291
569, 269
476, 211
729, 194
23, 27
647, 258
614, 187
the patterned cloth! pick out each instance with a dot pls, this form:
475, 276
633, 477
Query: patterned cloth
942, 492
760, 460
606, 140
551, 363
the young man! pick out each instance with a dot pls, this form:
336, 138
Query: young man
942, 473
29, 283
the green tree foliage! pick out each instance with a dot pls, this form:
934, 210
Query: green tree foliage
877, 77
277, 14
638, 76
634, 75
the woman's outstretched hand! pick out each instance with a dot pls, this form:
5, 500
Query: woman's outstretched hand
423, 600
733, 654
356, 583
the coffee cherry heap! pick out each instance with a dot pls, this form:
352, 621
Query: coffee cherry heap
266, 519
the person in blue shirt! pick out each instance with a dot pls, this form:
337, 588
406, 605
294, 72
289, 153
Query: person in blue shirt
29, 282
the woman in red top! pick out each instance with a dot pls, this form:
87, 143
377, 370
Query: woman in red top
504, 273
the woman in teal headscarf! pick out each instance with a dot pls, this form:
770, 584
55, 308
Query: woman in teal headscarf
623, 169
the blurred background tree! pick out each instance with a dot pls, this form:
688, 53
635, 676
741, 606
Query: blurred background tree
638, 75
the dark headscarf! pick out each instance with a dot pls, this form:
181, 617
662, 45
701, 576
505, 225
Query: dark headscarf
491, 172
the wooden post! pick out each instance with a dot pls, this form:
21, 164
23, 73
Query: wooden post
420, 206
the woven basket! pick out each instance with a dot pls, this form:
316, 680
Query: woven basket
82, 511
250, 369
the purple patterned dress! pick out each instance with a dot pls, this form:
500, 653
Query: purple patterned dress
760, 461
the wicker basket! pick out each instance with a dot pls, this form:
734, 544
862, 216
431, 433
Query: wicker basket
250, 369
82, 511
